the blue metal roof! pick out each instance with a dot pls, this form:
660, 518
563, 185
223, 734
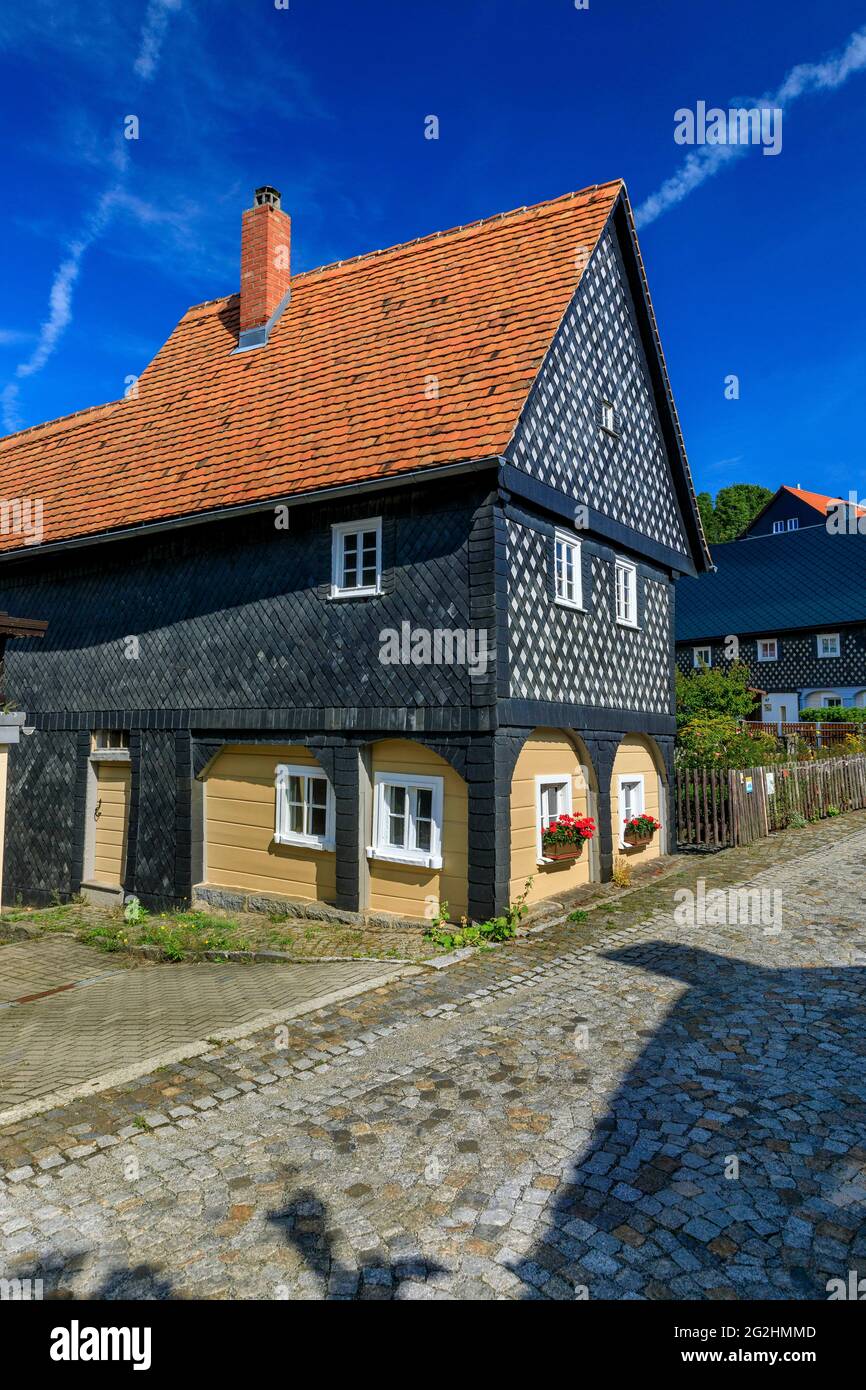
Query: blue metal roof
809, 578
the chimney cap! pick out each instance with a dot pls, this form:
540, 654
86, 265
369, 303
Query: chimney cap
269, 195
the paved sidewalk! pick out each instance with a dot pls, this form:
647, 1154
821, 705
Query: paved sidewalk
36, 967
637, 1110
127, 1021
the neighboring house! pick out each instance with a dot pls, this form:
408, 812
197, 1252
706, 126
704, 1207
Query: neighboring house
792, 508
796, 608
370, 575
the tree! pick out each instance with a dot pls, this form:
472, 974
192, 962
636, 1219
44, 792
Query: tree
734, 509
708, 693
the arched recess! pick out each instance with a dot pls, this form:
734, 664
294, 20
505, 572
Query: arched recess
639, 764
817, 699
860, 699
431, 866
550, 758
241, 823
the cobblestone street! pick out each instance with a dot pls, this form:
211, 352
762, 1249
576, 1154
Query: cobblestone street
628, 1108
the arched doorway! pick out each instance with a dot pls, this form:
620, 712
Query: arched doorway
553, 773
638, 784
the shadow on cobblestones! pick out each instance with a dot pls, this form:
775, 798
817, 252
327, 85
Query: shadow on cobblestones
730, 1163
62, 1279
308, 1230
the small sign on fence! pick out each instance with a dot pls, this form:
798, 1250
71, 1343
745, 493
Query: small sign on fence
770, 779
749, 785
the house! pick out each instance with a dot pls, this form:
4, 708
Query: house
792, 508
792, 608
370, 575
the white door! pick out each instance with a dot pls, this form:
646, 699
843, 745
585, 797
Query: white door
784, 707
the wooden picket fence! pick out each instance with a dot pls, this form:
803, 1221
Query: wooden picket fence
716, 809
818, 734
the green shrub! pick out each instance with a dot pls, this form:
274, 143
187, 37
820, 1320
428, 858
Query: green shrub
719, 741
838, 714
710, 692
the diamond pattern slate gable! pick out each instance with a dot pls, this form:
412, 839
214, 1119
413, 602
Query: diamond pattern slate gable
798, 666
583, 658
597, 353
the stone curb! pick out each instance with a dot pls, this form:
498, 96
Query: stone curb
158, 953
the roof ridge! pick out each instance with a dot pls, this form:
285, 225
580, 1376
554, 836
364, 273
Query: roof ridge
60, 420
430, 236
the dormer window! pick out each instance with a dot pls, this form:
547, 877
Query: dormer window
356, 558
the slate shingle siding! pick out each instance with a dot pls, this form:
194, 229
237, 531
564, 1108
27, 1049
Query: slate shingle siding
798, 667
598, 353
43, 846
236, 616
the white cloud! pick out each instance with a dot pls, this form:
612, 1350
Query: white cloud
153, 33
703, 163
63, 283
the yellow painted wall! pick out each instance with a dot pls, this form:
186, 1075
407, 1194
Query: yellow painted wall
633, 755
240, 820
404, 888
109, 834
546, 753
4, 754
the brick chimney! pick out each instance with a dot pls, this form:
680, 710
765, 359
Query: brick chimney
265, 266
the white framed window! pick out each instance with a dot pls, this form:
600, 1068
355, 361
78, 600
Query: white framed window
552, 799
569, 586
356, 558
702, 656
113, 739
793, 523
828, 644
777, 527
626, 593
631, 800
407, 819
305, 807
768, 649
607, 416
831, 701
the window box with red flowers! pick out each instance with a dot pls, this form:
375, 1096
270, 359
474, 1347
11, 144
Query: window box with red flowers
565, 837
640, 830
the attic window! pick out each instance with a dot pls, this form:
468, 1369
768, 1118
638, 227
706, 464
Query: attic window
607, 416
793, 523
110, 739
356, 558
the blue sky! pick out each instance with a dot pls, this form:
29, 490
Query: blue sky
756, 272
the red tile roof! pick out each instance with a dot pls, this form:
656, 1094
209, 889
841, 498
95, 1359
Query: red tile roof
341, 393
818, 500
